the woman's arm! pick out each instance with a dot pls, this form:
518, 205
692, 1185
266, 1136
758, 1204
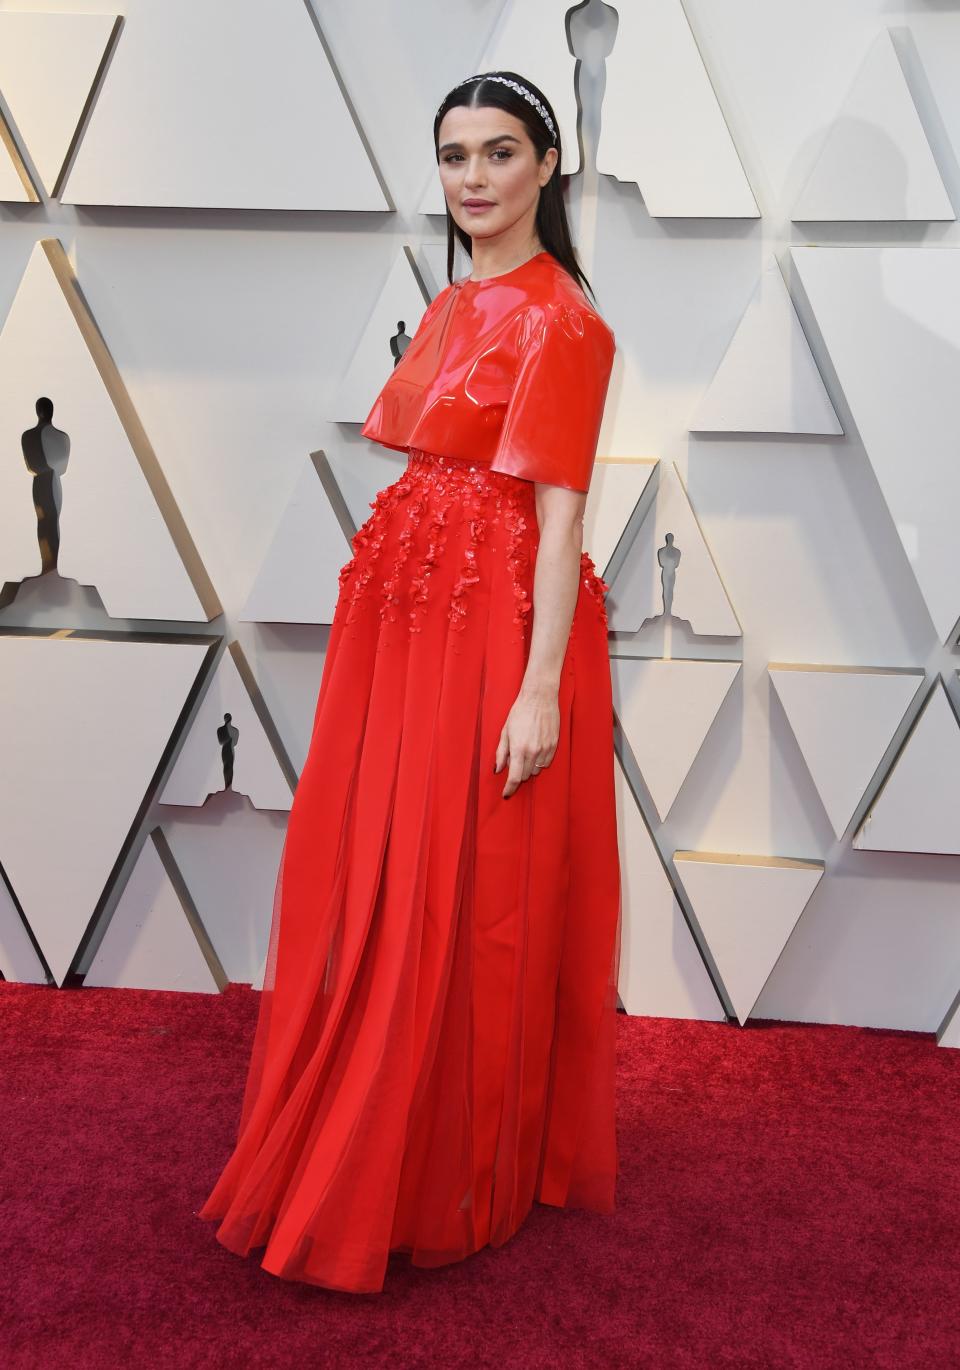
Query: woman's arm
532, 729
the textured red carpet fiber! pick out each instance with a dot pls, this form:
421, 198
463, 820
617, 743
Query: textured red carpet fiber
789, 1196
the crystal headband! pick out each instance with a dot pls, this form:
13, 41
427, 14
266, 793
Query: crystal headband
521, 90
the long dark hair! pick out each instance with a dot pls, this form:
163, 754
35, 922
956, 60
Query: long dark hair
551, 221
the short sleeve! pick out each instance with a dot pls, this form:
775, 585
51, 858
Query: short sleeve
385, 422
552, 422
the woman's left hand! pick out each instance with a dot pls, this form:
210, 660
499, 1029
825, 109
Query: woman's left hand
530, 735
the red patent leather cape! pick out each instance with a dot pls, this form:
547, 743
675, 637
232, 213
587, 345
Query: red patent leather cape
510, 372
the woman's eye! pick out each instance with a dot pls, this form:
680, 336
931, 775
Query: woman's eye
455, 156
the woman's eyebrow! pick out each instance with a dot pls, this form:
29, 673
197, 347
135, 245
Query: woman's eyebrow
488, 142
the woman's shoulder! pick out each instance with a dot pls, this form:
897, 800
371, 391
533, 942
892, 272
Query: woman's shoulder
558, 300
541, 297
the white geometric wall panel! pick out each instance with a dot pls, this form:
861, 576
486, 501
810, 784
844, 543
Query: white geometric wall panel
661, 125
402, 299
48, 67
18, 958
666, 709
113, 534
747, 907
149, 942
299, 579
228, 857
918, 807
875, 162
531, 38
890, 318
257, 981
15, 187
616, 489
198, 771
767, 381
843, 718
949, 1035
223, 106
662, 974
83, 725
936, 36
698, 593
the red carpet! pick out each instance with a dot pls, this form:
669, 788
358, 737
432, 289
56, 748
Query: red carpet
789, 1196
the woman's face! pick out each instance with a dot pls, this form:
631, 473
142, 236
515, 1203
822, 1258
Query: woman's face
486, 157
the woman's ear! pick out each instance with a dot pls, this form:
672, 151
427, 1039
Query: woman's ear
548, 165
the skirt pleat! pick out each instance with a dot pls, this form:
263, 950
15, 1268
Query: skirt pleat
434, 1049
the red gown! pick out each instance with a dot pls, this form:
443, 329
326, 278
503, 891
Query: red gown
435, 1043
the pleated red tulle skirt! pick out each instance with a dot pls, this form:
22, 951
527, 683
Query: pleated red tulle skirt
435, 1045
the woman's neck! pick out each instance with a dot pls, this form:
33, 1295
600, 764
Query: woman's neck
495, 259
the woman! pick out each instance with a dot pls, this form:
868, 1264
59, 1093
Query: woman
435, 1043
